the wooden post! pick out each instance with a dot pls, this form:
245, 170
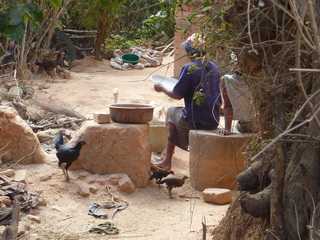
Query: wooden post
204, 228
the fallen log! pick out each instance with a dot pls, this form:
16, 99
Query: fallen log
56, 106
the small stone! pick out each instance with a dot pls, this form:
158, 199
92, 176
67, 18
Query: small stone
114, 181
5, 200
45, 136
45, 178
43, 86
15, 92
42, 202
56, 208
115, 178
93, 178
34, 218
8, 173
102, 118
93, 189
83, 190
71, 237
20, 176
3, 91
65, 74
126, 185
218, 196
26, 227
82, 174
35, 236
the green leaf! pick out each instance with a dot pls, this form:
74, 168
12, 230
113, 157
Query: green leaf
55, 3
16, 15
206, 9
199, 97
13, 21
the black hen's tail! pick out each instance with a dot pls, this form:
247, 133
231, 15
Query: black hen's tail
161, 182
58, 140
154, 175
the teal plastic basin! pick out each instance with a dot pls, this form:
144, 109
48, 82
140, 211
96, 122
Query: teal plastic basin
130, 58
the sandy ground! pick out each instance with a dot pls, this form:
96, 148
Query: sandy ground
151, 214
91, 87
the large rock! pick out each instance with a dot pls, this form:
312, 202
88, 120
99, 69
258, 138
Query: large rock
218, 196
126, 185
216, 160
116, 148
18, 142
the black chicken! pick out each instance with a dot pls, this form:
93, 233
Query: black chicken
66, 154
158, 174
173, 182
50, 63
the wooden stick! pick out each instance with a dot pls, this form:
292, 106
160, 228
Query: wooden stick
303, 70
81, 36
79, 31
204, 228
167, 47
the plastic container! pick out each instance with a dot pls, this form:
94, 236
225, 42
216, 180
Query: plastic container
130, 58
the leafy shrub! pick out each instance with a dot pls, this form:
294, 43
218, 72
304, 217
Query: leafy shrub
153, 25
120, 42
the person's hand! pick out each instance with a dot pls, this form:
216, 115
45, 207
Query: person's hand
224, 132
158, 87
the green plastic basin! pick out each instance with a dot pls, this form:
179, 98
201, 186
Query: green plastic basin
130, 58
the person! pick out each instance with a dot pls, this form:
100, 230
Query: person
198, 85
237, 103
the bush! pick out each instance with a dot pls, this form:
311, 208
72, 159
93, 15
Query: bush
120, 42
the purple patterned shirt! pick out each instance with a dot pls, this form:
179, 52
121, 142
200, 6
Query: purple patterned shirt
205, 78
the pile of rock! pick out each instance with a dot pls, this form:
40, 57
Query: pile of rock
148, 58
9, 91
13, 185
90, 183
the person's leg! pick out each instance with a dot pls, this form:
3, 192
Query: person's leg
168, 152
228, 111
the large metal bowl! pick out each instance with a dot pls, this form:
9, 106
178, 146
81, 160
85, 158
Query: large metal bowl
131, 113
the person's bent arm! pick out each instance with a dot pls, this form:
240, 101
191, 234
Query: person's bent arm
171, 94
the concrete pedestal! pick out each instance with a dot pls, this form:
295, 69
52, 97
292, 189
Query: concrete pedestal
116, 148
158, 136
216, 160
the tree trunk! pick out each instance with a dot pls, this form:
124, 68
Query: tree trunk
102, 33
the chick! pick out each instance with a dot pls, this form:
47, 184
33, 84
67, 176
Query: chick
158, 174
173, 182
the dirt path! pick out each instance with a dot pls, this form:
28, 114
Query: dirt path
150, 215
91, 87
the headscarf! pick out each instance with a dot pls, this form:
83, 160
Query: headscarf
194, 45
